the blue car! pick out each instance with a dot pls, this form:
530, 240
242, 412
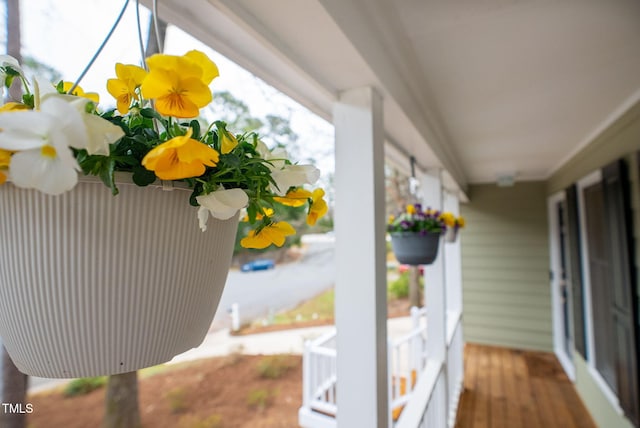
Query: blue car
259, 264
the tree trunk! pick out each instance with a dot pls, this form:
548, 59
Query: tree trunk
122, 402
14, 43
122, 410
414, 287
14, 383
14, 390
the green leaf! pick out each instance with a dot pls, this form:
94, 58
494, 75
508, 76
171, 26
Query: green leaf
150, 113
28, 100
195, 125
142, 176
106, 175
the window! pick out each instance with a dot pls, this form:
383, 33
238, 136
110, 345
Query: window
611, 299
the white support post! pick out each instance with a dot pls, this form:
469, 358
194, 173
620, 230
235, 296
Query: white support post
360, 305
453, 269
434, 276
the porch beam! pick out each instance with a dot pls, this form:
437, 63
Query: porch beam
361, 300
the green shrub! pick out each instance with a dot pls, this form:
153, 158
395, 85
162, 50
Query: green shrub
177, 400
193, 421
84, 385
259, 398
274, 366
399, 288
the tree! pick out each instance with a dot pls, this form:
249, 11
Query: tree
14, 382
398, 195
14, 42
122, 409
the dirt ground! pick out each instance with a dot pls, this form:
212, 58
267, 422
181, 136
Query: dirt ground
226, 392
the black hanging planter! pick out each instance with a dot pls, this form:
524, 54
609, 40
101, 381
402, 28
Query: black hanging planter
415, 248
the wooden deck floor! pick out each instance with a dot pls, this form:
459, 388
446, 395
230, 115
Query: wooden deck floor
511, 388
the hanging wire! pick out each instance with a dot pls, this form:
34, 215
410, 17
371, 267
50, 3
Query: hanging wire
154, 14
155, 26
414, 185
104, 42
140, 42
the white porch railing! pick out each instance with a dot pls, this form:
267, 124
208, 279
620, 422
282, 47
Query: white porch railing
423, 392
455, 368
407, 360
319, 375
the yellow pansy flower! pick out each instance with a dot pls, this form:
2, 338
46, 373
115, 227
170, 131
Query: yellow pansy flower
177, 85
227, 141
460, 221
294, 198
411, 209
5, 159
78, 91
209, 68
123, 89
318, 207
180, 157
274, 233
12, 106
268, 212
392, 218
448, 219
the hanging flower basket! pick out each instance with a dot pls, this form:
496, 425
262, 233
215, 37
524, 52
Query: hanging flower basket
451, 234
415, 248
453, 225
92, 284
415, 234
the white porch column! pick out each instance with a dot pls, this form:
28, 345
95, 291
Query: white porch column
360, 304
453, 268
434, 276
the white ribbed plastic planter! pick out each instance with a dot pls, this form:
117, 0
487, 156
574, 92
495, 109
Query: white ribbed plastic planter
94, 284
451, 234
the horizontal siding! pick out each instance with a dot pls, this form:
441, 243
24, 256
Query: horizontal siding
510, 337
620, 140
505, 267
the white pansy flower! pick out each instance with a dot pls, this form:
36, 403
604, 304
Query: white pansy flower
96, 133
293, 176
100, 132
7, 61
42, 139
222, 204
203, 216
276, 157
45, 169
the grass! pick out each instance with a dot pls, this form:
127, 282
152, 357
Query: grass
321, 307
318, 308
259, 399
193, 421
84, 385
177, 400
274, 366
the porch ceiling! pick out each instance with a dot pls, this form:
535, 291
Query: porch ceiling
478, 87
